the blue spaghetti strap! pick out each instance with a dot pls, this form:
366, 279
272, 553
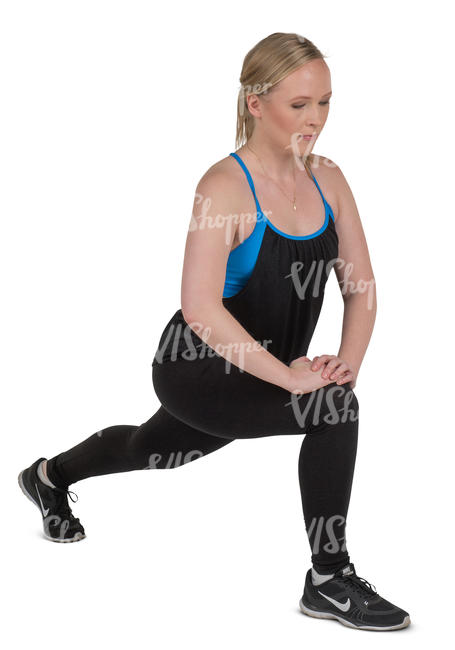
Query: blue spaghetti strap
317, 185
326, 203
250, 180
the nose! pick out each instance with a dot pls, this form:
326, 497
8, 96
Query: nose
314, 123
314, 117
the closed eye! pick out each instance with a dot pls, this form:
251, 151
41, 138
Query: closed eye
302, 105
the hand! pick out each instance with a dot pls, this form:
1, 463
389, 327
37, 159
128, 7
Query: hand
302, 380
335, 369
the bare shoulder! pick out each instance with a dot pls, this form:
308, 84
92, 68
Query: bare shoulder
223, 190
332, 182
221, 176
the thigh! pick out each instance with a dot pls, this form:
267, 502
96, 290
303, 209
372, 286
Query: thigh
218, 398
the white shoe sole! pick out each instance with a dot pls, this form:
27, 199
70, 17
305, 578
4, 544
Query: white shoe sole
316, 614
77, 537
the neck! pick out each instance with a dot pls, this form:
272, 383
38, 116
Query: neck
278, 163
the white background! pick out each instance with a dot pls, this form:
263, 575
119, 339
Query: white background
110, 114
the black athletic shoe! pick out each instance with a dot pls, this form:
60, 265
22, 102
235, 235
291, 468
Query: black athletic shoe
352, 601
60, 525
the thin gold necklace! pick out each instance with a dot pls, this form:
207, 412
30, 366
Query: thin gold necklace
293, 168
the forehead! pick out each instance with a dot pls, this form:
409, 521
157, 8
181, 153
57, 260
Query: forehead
311, 80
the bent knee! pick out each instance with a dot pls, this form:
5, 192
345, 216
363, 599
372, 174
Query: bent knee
342, 399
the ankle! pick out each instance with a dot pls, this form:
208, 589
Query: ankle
330, 568
42, 474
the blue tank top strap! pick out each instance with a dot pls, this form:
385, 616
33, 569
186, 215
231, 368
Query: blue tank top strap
317, 185
250, 180
326, 203
242, 258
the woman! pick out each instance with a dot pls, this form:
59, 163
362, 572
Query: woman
231, 363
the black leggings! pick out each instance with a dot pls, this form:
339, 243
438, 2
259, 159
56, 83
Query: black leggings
207, 404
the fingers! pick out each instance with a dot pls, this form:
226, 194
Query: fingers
346, 378
319, 361
334, 370
334, 366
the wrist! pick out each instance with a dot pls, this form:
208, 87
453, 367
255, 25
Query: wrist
286, 378
353, 364
292, 381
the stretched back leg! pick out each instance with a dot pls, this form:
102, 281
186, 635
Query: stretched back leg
162, 442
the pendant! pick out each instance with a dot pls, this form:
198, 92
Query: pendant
295, 207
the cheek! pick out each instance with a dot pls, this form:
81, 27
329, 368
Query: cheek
283, 121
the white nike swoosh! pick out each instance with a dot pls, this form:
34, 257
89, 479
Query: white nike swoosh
343, 606
44, 511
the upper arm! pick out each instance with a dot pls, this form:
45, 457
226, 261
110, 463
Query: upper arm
354, 268
208, 244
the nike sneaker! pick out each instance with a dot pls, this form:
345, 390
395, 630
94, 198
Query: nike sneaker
350, 600
59, 523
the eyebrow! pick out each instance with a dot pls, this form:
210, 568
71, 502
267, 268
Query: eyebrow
303, 96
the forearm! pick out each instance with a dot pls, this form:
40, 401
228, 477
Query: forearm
358, 323
222, 332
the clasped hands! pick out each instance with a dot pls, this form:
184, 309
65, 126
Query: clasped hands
307, 375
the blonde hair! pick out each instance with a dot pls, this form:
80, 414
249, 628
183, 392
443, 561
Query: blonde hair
266, 64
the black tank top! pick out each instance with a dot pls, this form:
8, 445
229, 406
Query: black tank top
280, 304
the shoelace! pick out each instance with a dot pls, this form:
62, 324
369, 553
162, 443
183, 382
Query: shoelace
65, 509
361, 585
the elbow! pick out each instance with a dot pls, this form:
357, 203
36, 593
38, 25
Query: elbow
189, 313
188, 310
198, 312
